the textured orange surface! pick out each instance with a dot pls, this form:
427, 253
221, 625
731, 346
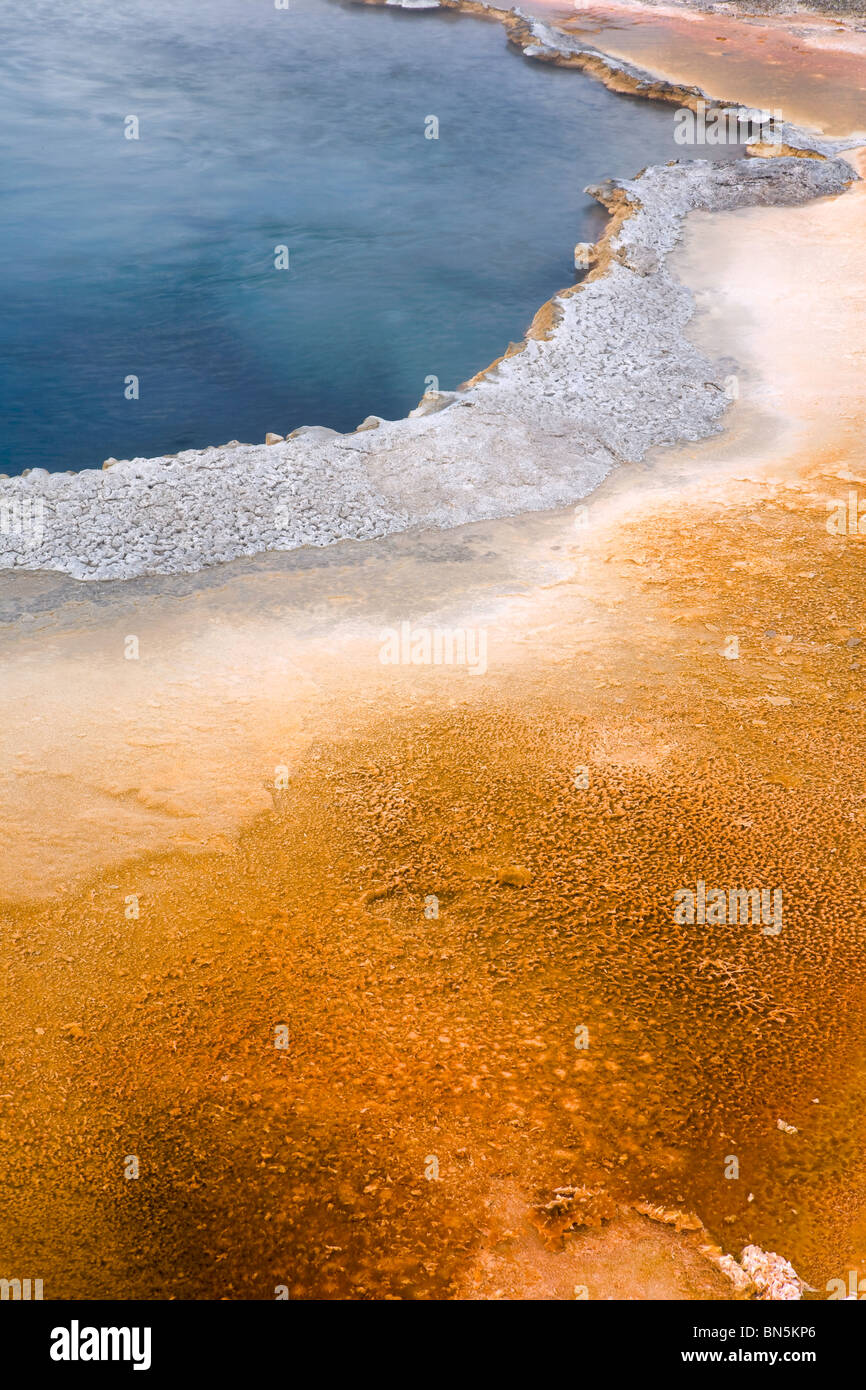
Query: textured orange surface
811, 68
414, 1037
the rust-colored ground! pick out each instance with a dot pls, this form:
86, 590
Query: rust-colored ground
413, 1037
811, 67
419, 1041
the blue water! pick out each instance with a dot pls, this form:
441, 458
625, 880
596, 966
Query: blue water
409, 257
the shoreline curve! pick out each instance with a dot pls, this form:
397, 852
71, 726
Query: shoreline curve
604, 374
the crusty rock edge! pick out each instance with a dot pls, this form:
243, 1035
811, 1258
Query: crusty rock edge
605, 374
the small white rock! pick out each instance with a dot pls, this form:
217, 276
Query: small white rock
773, 1277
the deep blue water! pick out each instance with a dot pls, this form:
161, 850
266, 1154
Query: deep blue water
259, 127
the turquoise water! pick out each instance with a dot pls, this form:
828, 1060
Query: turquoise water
409, 257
